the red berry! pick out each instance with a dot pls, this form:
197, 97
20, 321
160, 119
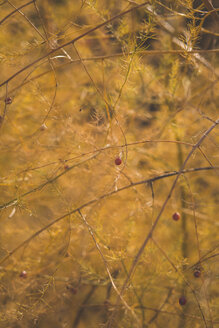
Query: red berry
197, 273
23, 274
176, 216
118, 161
8, 100
182, 300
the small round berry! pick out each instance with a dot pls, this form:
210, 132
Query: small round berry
118, 161
66, 167
197, 273
182, 300
8, 100
176, 216
23, 274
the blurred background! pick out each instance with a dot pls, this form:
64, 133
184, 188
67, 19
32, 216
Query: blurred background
142, 87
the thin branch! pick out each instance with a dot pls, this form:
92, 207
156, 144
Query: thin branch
37, 233
27, 19
72, 41
161, 307
211, 9
149, 235
82, 307
94, 152
120, 54
184, 279
15, 200
16, 10
176, 314
90, 229
198, 244
2, 118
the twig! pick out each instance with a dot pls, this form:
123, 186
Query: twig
16, 10
95, 154
82, 307
161, 307
90, 229
211, 9
198, 245
37, 233
149, 235
185, 281
120, 54
2, 118
27, 19
72, 41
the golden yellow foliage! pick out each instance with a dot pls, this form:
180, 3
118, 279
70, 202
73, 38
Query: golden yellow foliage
109, 125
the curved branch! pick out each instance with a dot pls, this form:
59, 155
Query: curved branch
14, 11
165, 175
72, 41
150, 233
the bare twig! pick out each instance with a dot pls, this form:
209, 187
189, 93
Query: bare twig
16, 10
161, 307
120, 54
90, 229
72, 41
94, 152
82, 307
37, 233
184, 279
211, 9
149, 235
27, 19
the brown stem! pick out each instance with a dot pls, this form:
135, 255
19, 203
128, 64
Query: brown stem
37, 233
16, 10
72, 41
149, 235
